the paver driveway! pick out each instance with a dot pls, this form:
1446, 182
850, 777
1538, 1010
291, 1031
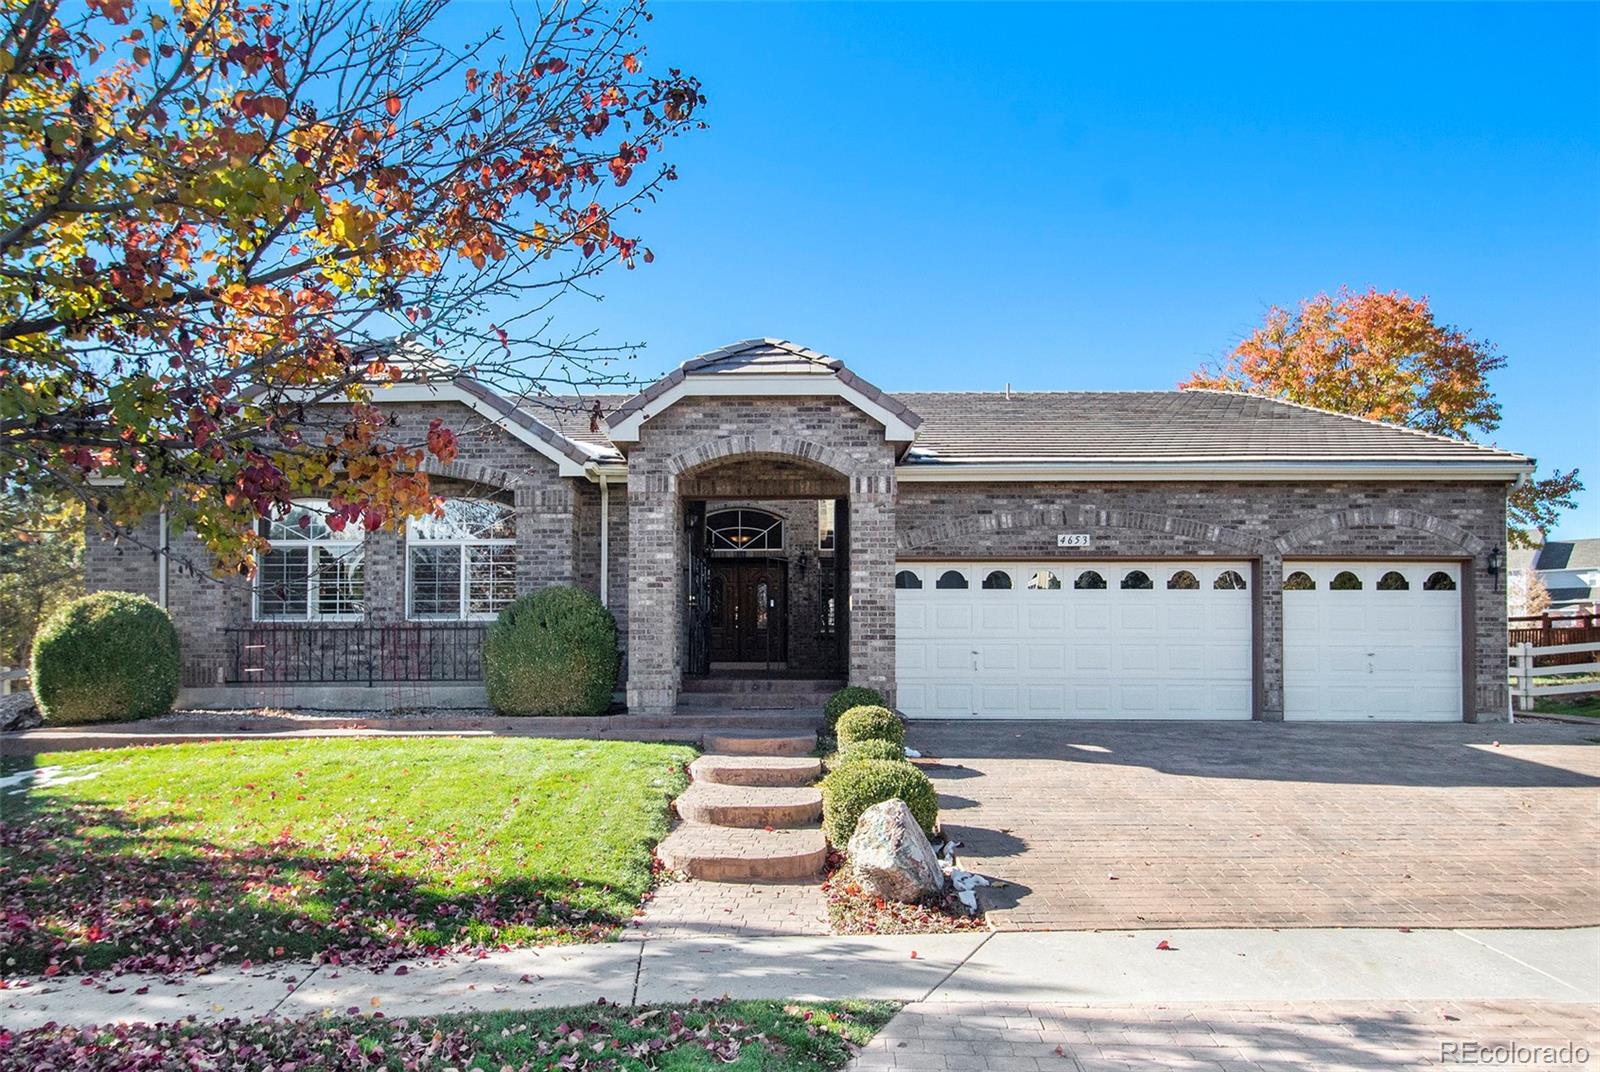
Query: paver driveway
1113, 825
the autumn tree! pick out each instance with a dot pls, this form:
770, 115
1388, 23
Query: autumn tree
41, 564
216, 215
1385, 357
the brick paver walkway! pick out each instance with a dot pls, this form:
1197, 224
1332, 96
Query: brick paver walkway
1320, 1036
694, 909
1117, 825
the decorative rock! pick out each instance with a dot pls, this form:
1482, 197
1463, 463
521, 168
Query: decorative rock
18, 712
891, 855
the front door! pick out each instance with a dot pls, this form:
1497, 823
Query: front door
748, 611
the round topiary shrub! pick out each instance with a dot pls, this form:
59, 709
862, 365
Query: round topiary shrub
105, 657
849, 790
552, 652
846, 698
870, 748
870, 723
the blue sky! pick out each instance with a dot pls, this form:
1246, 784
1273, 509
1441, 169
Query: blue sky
1077, 196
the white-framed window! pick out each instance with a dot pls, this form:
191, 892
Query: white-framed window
310, 572
461, 566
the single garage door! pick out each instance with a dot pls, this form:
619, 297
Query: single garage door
1073, 639
1372, 640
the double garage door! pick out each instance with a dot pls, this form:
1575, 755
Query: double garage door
1173, 639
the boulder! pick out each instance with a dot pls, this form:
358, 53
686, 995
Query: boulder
891, 856
19, 712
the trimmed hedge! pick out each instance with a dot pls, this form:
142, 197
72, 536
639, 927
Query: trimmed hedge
869, 723
871, 748
846, 698
105, 657
552, 652
851, 789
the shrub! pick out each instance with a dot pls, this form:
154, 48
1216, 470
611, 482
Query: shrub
870, 748
870, 723
552, 652
103, 657
851, 789
846, 698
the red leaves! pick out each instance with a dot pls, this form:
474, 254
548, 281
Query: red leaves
392, 105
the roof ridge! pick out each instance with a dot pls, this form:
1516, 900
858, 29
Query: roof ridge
1432, 436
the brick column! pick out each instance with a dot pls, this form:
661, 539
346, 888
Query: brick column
1268, 641
872, 546
656, 582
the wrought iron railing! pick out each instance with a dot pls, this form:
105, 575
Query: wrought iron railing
311, 653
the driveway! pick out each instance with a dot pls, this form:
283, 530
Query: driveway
1141, 824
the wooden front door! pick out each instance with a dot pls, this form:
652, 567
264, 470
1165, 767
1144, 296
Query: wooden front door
749, 614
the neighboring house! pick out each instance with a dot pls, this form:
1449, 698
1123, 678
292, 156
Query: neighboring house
765, 511
1569, 569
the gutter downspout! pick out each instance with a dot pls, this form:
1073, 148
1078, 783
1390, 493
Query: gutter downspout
161, 568
605, 541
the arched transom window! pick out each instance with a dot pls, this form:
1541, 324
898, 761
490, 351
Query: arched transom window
744, 530
461, 564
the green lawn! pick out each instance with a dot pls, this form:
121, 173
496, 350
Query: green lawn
179, 856
742, 1036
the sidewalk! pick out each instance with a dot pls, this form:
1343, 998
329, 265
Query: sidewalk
1079, 968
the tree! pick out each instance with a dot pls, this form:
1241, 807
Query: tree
1527, 594
215, 214
41, 565
1383, 356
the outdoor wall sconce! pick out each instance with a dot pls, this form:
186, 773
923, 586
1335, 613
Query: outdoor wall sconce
1494, 566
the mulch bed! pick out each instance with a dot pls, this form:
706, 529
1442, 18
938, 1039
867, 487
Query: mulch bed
852, 910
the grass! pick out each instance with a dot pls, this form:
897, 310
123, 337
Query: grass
742, 1036
1585, 704
353, 851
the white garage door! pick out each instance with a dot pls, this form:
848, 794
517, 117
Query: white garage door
1377, 641
1073, 639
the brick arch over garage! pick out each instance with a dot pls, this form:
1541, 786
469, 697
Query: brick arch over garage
932, 536
1380, 517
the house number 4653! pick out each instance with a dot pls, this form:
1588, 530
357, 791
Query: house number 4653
1072, 539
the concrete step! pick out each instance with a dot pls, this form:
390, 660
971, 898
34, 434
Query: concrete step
761, 744
756, 770
751, 806
775, 686
695, 702
727, 854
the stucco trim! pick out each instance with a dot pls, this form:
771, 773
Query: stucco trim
1262, 469
1086, 516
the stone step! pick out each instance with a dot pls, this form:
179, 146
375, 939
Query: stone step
750, 806
756, 770
727, 854
760, 744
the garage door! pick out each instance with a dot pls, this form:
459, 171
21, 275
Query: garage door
1372, 640
1073, 640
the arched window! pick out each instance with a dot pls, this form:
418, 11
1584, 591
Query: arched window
997, 579
744, 530
1298, 581
907, 579
1439, 581
951, 579
311, 571
1044, 580
1136, 579
1229, 580
462, 563
1393, 581
1183, 580
1345, 581
1089, 579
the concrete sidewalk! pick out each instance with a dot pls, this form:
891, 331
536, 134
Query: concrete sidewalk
1082, 968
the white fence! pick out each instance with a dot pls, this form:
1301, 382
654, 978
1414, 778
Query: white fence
1526, 686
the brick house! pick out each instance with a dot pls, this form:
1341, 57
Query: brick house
763, 513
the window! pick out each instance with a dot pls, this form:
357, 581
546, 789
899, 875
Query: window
744, 530
1393, 581
907, 579
1229, 581
1439, 581
1044, 580
1345, 581
1137, 579
463, 564
951, 579
1183, 580
997, 579
311, 572
1089, 579
825, 524
1298, 581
